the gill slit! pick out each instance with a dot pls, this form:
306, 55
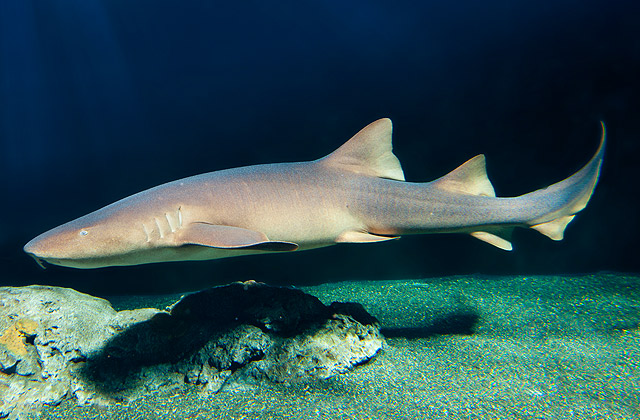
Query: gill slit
158, 225
171, 226
146, 232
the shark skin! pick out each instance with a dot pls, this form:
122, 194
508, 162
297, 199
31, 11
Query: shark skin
357, 194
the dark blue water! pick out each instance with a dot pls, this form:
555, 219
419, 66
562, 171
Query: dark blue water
102, 99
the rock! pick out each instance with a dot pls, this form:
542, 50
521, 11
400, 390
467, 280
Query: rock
57, 343
46, 333
336, 347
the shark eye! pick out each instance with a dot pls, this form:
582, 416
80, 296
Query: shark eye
84, 232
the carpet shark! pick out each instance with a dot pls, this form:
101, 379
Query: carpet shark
357, 194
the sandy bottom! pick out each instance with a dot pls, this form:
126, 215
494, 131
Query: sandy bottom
471, 347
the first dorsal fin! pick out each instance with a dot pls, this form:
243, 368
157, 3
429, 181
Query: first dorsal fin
468, 178
369, 152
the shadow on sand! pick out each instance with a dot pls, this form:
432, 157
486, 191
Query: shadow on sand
461, 322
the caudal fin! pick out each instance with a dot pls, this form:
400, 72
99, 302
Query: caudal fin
575, 191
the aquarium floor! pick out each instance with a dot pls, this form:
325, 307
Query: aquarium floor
540, 348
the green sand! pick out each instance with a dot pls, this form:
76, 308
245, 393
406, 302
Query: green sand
541, 348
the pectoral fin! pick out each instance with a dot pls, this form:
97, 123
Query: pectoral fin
230, 237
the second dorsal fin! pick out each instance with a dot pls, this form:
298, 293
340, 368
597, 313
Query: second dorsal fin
468, 178
369, 152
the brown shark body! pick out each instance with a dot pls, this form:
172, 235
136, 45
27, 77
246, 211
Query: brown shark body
356, 194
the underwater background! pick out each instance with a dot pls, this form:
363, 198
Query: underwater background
103, 99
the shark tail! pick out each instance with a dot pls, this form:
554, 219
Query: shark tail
574, 192
563, 199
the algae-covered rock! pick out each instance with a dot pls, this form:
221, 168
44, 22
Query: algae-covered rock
334, 348
46, 333
57, 343
247, 353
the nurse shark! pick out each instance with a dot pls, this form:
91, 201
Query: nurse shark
357, 194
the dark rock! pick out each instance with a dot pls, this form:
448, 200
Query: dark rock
281, 310
355, 311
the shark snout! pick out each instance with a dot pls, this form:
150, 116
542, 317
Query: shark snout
51, 245
41, 247
74, 244
33, 248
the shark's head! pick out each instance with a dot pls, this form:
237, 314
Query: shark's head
96, 240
